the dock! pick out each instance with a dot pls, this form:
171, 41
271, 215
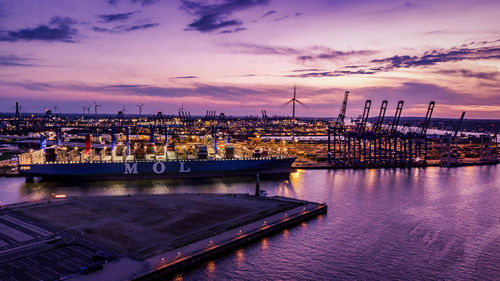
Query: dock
137, 237
172, 262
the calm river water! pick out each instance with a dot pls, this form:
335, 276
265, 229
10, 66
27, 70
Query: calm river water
433, 223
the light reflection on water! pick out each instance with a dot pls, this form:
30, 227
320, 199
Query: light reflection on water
210, 269
433, 223
15, 189
264, 244
240, 256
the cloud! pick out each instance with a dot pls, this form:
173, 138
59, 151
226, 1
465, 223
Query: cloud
354, 66
212, 22
186, 77
325, 53
124, 28
141, 26
302, 55
482, 50
31, 86
287, 16
256, 49
142, 2
475, 51
439, 31
395, 9
336, 73
315, 74
145, 2
222, 92
126, 86
422, 93
268, 13
439, 56
59, 29
429, 58
281, 18
306, 70
12, 60
211, 17
471, 74
116, 17
237, 29
368, 65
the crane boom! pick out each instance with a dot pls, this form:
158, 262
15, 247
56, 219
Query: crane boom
397, 115
381, 115
364, 119
427, 120
450, 140
458, 125
341, 117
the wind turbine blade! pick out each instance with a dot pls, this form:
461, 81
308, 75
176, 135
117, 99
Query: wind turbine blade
286, 103
302, 103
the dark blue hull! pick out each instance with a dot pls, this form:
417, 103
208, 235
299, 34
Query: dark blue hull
160, 169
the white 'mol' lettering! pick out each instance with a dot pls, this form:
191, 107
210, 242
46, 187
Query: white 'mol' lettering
182, 170
161, 168
130, 169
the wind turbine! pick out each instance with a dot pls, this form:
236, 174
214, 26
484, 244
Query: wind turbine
293, 100
95, 108
140, 108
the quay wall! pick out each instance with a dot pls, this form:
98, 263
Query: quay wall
186, 262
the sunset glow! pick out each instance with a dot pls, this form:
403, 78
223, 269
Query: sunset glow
242, 56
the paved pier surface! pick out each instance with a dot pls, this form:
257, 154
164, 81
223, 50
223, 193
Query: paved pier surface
146, 235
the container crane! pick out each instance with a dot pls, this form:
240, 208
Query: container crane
395, 122
380, 120
340, 119
448, 160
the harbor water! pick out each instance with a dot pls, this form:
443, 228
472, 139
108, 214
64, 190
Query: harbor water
425, 223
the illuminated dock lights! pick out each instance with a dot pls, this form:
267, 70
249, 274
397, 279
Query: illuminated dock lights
57, 196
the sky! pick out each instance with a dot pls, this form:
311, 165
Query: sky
242, 56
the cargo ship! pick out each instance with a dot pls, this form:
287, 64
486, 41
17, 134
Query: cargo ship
147, 162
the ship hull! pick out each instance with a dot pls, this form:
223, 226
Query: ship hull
159, 169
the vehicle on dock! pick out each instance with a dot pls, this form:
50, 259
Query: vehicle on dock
95, 266
101, 256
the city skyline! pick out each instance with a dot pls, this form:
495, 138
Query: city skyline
239, 57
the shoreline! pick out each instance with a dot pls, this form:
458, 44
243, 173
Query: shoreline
330, 167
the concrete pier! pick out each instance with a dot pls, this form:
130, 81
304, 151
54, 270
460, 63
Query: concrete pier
140, 237
173, 262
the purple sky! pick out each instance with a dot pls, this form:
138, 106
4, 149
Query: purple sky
242, 56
